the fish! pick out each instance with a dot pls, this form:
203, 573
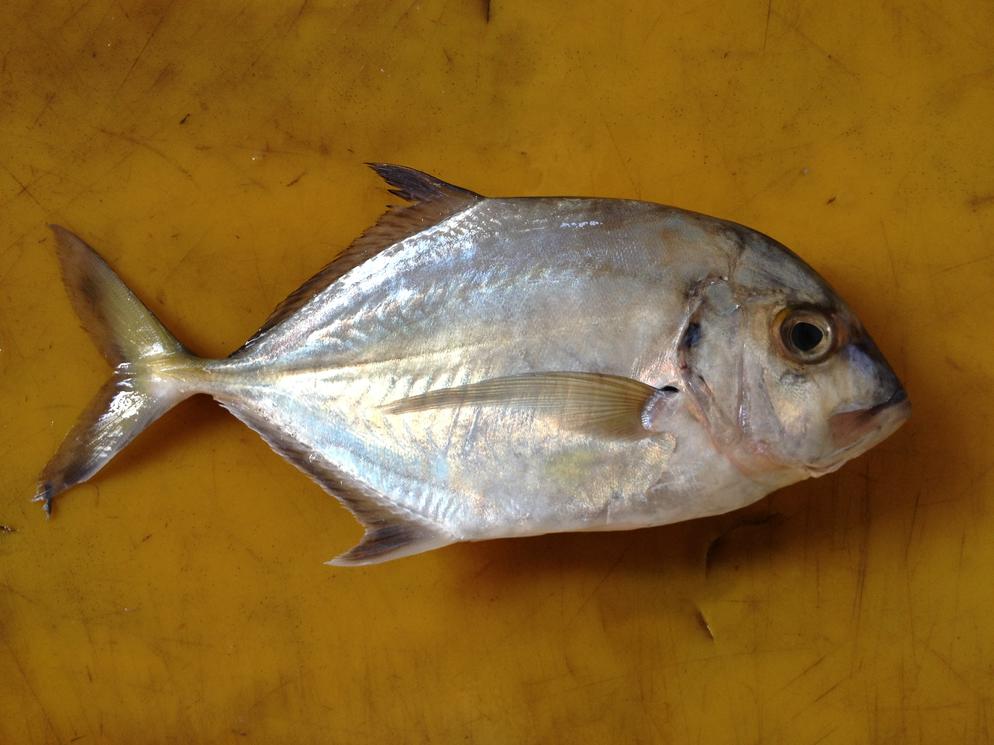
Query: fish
474, 368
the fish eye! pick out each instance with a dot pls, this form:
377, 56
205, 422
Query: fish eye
805, 334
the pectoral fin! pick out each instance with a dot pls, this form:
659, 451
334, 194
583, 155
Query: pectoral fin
606, 405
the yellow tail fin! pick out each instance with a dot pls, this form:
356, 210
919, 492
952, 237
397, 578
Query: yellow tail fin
148, 362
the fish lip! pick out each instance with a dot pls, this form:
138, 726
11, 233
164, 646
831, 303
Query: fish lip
860, 429
897, 397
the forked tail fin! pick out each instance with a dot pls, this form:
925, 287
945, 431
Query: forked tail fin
148, 363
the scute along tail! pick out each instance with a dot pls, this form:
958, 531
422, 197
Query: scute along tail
148, 363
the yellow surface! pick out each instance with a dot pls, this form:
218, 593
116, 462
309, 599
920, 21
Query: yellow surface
212, 152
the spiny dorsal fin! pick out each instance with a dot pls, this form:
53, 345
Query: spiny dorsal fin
433, 201
391, 531
607, 405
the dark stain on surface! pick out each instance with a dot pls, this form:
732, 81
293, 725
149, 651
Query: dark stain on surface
487, 10
979, 201
830, 200
7, 529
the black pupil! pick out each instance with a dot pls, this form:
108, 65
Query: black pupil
805, 336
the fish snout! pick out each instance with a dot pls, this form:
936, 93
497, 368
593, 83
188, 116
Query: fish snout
882, 411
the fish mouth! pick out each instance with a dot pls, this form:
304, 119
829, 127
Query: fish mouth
856, 431
872, 424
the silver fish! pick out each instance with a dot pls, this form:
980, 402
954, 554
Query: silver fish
474, 368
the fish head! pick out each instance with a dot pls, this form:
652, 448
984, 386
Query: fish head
785, 375
825, 394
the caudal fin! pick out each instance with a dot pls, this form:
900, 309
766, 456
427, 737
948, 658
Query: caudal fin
148, 368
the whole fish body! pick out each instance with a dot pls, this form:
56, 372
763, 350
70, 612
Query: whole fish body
474, 368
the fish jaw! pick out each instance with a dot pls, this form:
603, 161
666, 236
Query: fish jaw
857, 431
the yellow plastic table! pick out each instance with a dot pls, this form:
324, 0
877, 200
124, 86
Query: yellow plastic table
213, 153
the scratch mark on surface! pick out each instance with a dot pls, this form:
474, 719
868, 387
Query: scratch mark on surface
600, 583
407, 12
141, 51
293, 182
487, 9
825, 736
979, 40
24, 187
652, 28
911, 528
26, 598
827, 691
27, 682
818, 47
890, 256
184, 119
76, 12
949, 666
864, 549
621, 158
703, 622
49, 98
300, 12
154, 150
766, 28
804, 672
962, 264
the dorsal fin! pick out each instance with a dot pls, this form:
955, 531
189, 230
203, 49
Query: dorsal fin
433, 201
418, 186
391, 531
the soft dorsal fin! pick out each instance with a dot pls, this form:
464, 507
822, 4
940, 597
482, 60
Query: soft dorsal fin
606, 405
391, 531
433, 200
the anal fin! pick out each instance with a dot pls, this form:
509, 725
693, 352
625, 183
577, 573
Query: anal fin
391, 531
392, 540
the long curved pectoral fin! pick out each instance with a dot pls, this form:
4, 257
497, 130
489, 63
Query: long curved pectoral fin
605, 405
391, 531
